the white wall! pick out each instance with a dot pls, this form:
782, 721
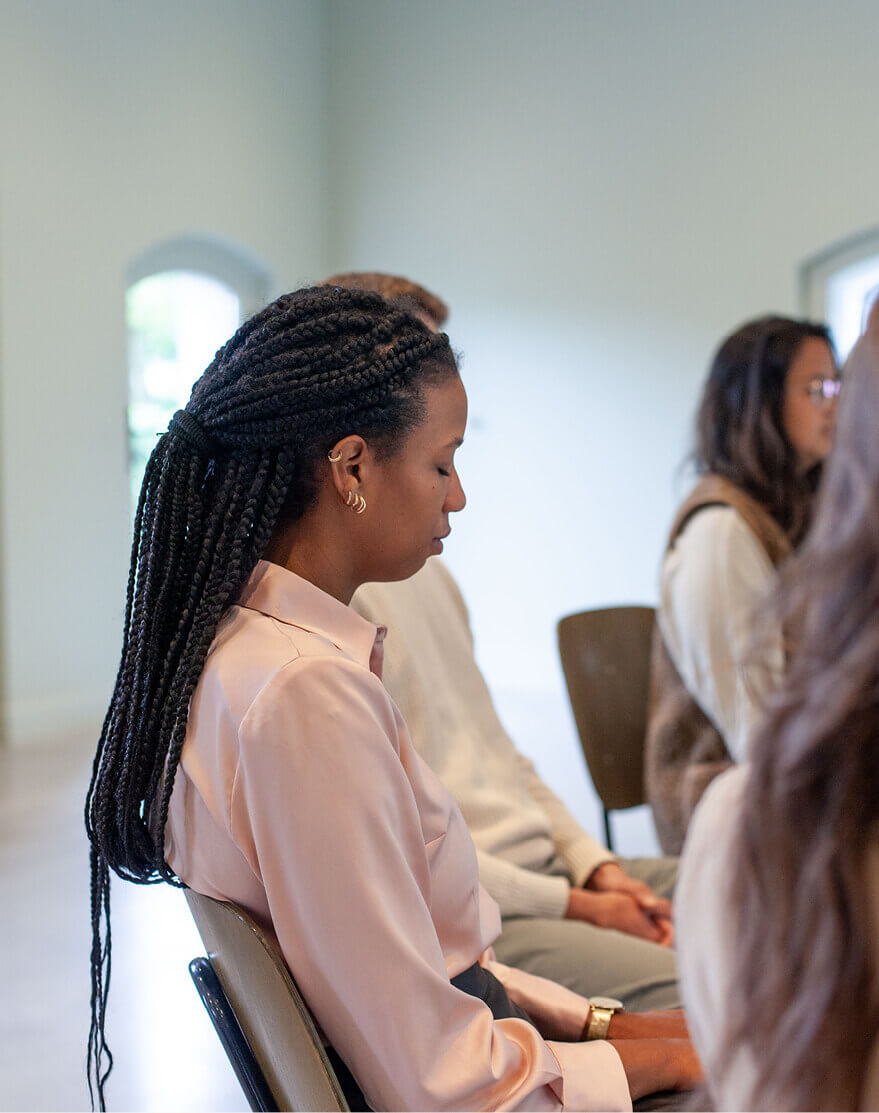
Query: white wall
121, 125
600, 190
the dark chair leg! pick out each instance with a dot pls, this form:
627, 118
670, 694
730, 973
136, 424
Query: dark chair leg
607, 835
247, 1069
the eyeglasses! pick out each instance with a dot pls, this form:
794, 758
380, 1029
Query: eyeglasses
823, 390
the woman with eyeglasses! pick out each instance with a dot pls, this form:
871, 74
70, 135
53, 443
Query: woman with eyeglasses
778, 902
764, 427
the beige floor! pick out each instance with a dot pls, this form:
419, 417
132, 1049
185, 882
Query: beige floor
167, 1055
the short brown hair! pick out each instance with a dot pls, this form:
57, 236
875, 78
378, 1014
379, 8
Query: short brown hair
401, 292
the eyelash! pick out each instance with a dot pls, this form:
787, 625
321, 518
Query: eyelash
442, 471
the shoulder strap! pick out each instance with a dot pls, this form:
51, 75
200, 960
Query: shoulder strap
714, 490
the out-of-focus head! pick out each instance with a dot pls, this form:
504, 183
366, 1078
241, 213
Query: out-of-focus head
401, 292
768, 410
871, 326
804, 888
849, 499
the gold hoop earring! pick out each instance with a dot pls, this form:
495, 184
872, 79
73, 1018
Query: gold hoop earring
334, 459
361, 505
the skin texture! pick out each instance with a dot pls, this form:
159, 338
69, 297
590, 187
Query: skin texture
653, 1065
655, 1050
409, 497
809, 427
612, 899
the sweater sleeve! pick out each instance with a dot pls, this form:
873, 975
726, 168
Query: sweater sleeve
713, 583
522, 892
580, 852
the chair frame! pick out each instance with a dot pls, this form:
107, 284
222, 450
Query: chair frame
238, 1050
273, 1044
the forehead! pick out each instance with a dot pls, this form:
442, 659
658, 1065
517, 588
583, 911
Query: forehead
814, 360
445, 414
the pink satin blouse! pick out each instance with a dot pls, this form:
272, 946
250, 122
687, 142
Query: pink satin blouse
300, 796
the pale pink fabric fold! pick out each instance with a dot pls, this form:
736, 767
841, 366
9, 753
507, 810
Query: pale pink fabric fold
299, 796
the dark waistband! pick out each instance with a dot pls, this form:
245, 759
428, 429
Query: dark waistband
481, 983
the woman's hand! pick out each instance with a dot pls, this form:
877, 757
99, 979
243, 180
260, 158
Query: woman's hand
620, 911
609, 878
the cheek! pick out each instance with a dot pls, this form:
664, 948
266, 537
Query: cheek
800, 419
414, 504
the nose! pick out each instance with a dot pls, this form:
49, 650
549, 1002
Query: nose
455, 499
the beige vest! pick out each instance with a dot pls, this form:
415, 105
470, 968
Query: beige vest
684, 750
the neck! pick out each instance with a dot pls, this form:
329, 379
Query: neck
316, 555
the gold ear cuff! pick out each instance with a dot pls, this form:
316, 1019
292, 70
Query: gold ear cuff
334, 459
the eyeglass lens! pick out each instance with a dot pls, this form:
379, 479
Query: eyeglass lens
824, 390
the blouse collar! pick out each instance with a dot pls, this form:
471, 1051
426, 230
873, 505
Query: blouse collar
282, 594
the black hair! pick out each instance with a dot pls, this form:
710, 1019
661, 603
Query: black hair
739, 427
310, 368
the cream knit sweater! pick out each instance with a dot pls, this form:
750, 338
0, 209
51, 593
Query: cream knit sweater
520, 828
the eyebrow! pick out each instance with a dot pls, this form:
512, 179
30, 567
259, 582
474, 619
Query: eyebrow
456, 443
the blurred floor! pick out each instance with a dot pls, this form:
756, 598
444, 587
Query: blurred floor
166, 1053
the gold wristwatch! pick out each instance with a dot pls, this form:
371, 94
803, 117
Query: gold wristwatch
601, 1009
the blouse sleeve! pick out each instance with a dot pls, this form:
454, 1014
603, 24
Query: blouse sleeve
323, 809
713, 584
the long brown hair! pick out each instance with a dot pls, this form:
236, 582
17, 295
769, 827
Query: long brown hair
804, 994
739, 429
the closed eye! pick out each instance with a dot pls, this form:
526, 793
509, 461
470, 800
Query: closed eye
443, 471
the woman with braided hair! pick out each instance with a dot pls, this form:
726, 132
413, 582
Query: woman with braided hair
251, 752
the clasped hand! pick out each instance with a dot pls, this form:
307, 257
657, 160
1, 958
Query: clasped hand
612, 899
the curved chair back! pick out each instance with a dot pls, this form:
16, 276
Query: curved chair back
273, 1018
605, 657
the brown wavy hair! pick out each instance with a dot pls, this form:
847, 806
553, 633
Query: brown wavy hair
804, 996
739, 428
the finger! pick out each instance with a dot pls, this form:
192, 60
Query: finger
647, 928
657, 906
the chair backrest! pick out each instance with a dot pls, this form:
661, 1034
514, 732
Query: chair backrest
605, 657
267, 1005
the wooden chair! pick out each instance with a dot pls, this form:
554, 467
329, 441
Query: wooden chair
264, 1025
605, 657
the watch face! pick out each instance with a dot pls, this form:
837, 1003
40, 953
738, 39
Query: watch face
606, 1002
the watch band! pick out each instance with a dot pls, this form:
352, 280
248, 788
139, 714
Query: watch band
599, 1022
